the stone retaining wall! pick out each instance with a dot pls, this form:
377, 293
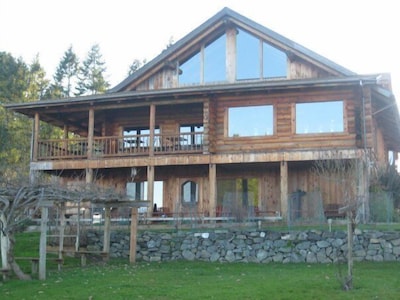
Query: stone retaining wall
253, 246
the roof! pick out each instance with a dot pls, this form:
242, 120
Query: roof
225, 15
29, 108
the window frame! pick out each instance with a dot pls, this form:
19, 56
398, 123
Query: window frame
192, 183
227, 123
320, 101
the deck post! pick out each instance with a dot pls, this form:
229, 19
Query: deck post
35, 141
284, 189
152, 126
65, 137
132, 248
212, 177
90, 133
150, 189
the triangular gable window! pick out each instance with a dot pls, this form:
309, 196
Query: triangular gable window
190, 71
249, 58
193, 71
274, 62
254, 58
214, 61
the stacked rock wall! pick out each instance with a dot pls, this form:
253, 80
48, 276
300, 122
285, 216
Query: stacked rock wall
253, 246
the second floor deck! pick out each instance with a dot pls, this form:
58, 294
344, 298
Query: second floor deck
118, 146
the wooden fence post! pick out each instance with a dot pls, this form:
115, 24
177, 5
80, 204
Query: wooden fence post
132, 249
43, 242
107, 230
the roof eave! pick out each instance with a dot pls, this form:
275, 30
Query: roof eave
250, 86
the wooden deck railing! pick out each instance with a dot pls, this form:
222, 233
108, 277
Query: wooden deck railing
118, 146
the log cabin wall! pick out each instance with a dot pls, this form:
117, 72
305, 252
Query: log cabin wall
299, 69
284, 127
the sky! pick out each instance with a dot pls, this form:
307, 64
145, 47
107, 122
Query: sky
360, 35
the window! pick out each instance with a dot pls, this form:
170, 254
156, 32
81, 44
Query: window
214, 69
250, 121
247, 56
319, 117
192, 134
190, 193
214, 61
190, 71
255, 59
274, 62
136, 190
139, 137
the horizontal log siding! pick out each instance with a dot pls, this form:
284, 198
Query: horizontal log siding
299, 69
284, 126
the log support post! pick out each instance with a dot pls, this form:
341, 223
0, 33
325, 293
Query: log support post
133, 239
212, 177
107, 230
284, 189
150, 189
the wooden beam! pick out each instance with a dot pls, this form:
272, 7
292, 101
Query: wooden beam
134, 221
231, 54
35, 146
152, 126
197, 159
284, 188
89, 175
90, 133
212, 177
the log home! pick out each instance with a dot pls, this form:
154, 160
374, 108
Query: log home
232, 116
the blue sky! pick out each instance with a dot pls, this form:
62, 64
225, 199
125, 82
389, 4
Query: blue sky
358, 34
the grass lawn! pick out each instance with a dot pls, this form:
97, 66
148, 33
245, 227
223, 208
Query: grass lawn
202, 280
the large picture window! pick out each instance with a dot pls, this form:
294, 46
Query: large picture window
319, 117
250, 121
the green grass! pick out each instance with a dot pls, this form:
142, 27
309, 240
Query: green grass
201, 280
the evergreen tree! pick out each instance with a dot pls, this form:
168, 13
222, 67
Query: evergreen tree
91, 78
15, 130
38, 85
40, 88
66, 75
136, 65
